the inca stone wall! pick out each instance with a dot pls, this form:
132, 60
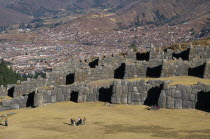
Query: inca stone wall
3, 91
137, 92
72, 81
29, 86
175, 68
185, 97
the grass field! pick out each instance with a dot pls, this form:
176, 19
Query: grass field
184, 80
104, 122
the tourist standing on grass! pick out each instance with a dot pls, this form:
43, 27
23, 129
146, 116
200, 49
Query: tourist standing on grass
79, 120
72, 121
84, 121
6, 122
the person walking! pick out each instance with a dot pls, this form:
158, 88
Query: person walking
6, 122
72, 121
84, 121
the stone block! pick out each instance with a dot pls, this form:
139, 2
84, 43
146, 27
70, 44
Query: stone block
14, 106
148, 86
2, 108
162, 99
170, 103
124, 99
192, 97
124, 89
178, 94
5, 103
60, 97
38, 99
178, 104
185, 96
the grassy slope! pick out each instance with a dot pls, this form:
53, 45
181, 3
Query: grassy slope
201, 42
8, 17
184, 80
103, 122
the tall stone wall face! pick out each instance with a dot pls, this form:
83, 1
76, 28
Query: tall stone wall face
175, 68
133, 70
92, 74
185, 97
136, 92
140, 68
161, 54
109, 60
29, 86
15, 103
3, 91
198, 53
86, 93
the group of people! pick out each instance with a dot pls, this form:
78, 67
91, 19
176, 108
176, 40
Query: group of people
79, 122
154, 107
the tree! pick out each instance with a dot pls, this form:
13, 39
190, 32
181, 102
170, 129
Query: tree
22, 25
134, 47
7, 75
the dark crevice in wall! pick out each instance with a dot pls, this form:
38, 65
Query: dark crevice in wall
203, 101
119, 73
197, 71
184, 55
105, 94
142, 56
74, 96
11, 92
154, 72
94, 63
70, 78
153, 96
30, 100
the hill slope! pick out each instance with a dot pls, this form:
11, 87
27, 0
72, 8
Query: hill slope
9, 16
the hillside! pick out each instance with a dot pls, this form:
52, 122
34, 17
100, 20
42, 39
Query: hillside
160, 12
128, 13
9, 16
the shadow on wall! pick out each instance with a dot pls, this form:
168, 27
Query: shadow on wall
153, 96
203, 101
184, 55
70, 78
154, 72
119, 73
105, 94
143, 56
11, 92
94, 63
74, 96
197, 71
30, 100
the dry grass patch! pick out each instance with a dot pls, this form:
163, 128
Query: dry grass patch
184, 80
4, 98
103, 122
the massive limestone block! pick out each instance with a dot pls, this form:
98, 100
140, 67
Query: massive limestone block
6, 103
38, 99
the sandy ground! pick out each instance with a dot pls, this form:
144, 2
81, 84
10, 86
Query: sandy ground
104, 122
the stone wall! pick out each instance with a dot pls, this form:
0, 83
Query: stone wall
137, 92
29, 86
3, 91
175, 68
71, 81
185, 97
92, 74
15, 103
